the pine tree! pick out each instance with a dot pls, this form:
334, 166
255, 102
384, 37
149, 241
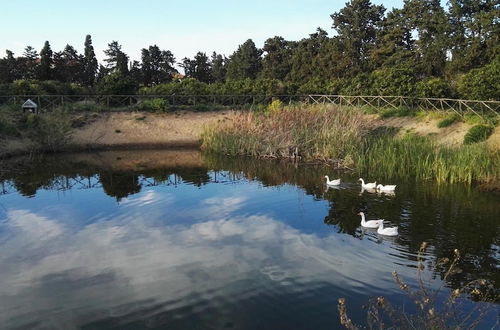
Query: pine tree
198, 68
68, 65
475, 33
244, 62
394, 44
157, 65
356, 25
428, 19
116, 59
9, 70
276, 63
218, 64
28, 63
46, 61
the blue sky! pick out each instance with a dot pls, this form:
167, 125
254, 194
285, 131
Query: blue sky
183, 27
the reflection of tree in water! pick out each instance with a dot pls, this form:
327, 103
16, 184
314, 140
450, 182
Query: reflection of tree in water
197, 176
119, 185
27, 188
447, 216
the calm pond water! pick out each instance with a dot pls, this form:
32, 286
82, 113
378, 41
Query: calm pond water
181, 240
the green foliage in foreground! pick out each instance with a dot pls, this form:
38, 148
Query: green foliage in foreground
419, 157
332, 133
155, 105
448, 120
478, 133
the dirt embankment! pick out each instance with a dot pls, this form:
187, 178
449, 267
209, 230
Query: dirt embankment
130, 130
184, 128
179, 129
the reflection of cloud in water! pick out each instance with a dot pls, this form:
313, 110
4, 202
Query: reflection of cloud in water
221, 206
107, 264
146, 198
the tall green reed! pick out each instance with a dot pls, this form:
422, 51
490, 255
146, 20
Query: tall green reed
331, 132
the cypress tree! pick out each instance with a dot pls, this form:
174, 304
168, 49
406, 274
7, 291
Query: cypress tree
46, 61
90, 64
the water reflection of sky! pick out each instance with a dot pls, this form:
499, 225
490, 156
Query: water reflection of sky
176, 254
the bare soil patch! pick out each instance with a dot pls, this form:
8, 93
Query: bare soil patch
179, 129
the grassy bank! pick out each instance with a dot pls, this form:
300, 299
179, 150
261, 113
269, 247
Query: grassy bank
327, 133
342, 136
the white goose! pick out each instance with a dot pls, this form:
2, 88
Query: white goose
386, 187
391, 231
332, 182
371, 185
370, 223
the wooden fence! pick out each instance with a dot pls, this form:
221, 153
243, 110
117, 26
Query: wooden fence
461, 107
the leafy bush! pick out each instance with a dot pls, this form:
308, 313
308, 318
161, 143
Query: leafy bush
361, 84
155, 105
8, 121
478, 133
448, 120
313, 86
398, 81
116, 84
482, 83
48, 87
434, 87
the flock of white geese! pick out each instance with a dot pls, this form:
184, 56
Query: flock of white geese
378, 223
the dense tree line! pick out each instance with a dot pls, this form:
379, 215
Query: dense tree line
421, 49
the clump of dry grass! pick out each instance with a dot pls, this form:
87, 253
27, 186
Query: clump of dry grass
340, 135
326, 132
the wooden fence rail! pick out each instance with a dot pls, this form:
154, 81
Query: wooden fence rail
461, 107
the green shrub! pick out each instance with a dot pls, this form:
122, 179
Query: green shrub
8, 120
397, 112
398, 80
434, 87
448, 120
154, 105
482, 83
116, 84
478, 133
361, 84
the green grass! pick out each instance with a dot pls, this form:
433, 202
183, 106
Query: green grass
420, 158
9, 121
336, 133
397, 112
473, 119
478, 133
448, 120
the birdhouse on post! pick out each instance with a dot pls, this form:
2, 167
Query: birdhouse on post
30, 106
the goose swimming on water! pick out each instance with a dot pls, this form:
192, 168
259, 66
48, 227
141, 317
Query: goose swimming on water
370, 185
370, 223
386, 187
391, 231
332, 182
